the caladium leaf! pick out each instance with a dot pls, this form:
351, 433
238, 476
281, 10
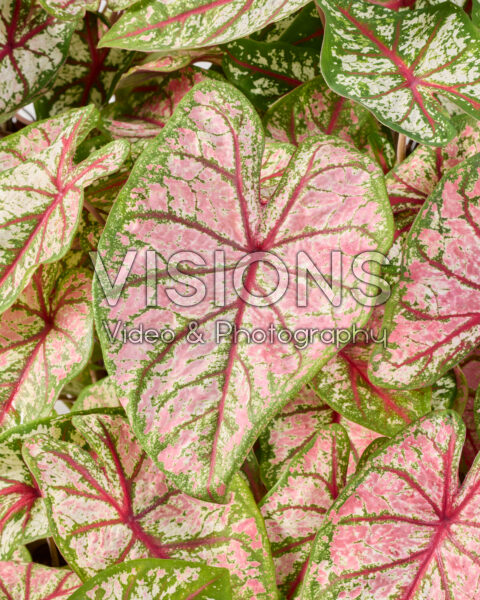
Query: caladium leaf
398, 64
294, 509
432, 317
155, 578
102, 394
88, 75
361, 440
289, 431
118, 506
305, 28
193, 23
343, 383
230, 392
264, 71
69, 9
403, 528
471, 370
45, 340
143, 111
42, 199
33, 45
450, 391
275, 160
313, 108
30, 581
411, 182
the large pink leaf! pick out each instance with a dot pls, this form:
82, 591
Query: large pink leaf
45, 340
118, 506
33, 45
294, 509
433, 315
403, 529
42, 199
29, 581
411, 182
196, 187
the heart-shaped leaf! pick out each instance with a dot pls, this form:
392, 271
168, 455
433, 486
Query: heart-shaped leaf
275, 160
154, 578
343, 384
403, 528
397, 64
102, 394
411, 182
154, 26
207, 403
118, 506
294, 509
30, 581
88, 75
264, 71
433, 315
45, 340
33, 45
42, 199
142, 112
313, 108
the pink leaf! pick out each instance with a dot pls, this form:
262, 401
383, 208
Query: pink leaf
29, 581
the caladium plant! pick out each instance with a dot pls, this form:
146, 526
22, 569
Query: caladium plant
239, 322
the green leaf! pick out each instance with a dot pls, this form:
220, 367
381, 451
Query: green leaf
263, 71
102, 394
150, 26
155, 578
33, 45
399, 65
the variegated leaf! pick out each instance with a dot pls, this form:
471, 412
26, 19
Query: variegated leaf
471, 418
154, 26
361, 439
42, 197
196, 187
264, 71
23, 517
45, 340
450, 391
118, 506
70, 9
142, 112
304, 28
275, 159
102, 394
88, 75
403, 529
33, 45
343, 383
411, 182
433, 315
313, 108
289, 431
294, 509
30, 581
154, 578
398, 64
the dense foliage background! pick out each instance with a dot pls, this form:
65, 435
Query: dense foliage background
191, 467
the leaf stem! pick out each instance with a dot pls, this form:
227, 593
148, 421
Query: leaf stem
401, 148
94, 212
53, 552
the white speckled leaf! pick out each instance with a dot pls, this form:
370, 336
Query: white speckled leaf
42, 196
397, 64
69, 9
433, 315
264, 71
45, 340
118, 506
23, 517
33, 45
30, 581
314, 108
150, 25
450, 391
89, 75
294, 509
403, 529
100, 394
150, 579
196, 187
275, 160
411, 182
